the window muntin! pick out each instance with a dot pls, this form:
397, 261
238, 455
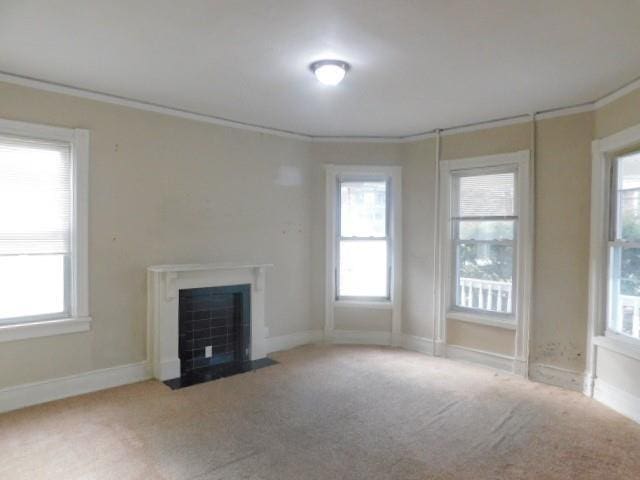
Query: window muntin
35, 229
624, 246
484, 222
363, 244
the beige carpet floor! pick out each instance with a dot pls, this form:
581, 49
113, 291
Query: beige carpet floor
339, 412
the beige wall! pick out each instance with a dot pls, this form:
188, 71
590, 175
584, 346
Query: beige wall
561, 251
168, 190
418, 214
481, 337
558, 328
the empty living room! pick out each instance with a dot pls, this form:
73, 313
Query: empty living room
339, 239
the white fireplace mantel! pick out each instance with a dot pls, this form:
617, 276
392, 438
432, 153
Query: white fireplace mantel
163, 284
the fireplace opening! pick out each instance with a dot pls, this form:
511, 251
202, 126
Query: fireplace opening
214, 335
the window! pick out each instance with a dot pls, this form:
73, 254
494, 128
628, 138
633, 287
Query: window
363, 241
484, 245
483, 223
624, 246
43, 247
35, 228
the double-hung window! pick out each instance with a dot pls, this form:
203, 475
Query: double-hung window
484, 224
484, 243
624, 246
364, 229
43, 194
363, 243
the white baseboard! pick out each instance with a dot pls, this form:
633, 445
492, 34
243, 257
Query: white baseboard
559, 377
617, 399
417, 344
12, 398
285, 342
168, 369
488, 359
361, 337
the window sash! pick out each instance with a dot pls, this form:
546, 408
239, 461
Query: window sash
479, 171
38, 240
615, 246
66, 310
340, 238
455, 219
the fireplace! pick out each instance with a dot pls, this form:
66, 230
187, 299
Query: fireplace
205, 321
213, 326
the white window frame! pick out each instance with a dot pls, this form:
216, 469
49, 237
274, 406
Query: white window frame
78, 319
393, 175
604, 151
523, 245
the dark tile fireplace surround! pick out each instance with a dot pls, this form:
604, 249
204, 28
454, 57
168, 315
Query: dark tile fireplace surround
214, 334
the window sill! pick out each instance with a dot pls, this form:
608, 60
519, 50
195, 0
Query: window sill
487, 320
382, 305
627, 347
47, 328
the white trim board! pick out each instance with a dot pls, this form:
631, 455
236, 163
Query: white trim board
47, 328
361, 337
559, 377
286, 342
142, 105
617, 399
20, 396
492, 360
617, 93
417, 344
212, 119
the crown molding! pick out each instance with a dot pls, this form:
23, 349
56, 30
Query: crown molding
200, 117
141, 105
618, 93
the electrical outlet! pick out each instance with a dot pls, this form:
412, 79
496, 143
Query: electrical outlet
208, 351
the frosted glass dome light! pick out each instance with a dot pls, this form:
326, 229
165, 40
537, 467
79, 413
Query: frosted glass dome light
330, 72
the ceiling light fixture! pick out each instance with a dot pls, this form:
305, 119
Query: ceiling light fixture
329, 72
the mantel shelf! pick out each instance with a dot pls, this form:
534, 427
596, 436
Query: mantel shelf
191, 267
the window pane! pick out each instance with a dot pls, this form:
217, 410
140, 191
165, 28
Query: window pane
485, 277
485, 230
363, 268
486, 195
625, 291
35, 197
363, 208
31, 285
629, 197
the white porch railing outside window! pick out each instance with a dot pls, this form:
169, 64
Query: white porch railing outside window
494, 296
489, 295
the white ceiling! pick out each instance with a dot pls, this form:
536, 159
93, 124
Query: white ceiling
416, 65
